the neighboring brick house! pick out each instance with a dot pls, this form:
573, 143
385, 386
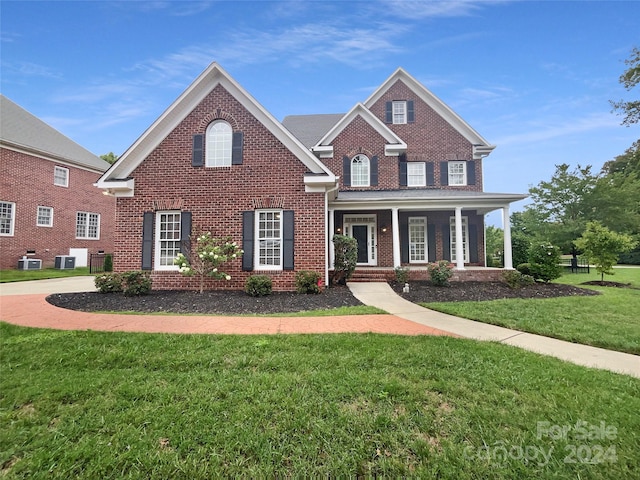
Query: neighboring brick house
401, 173
49, 205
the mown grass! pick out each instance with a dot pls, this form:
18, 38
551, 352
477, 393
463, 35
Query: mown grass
610, 320
330, 312
43, 274
121, 405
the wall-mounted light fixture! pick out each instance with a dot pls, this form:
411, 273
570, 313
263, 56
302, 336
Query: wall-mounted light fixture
338, 230
384, 229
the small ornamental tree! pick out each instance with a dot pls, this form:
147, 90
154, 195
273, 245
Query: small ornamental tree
207, 257
544, 262
603, 247
346, 257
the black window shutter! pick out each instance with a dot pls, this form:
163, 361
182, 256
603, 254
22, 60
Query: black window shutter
147, 241
410, 113
287, 237
346, 171
431, 242
247, 240
446, 241
185, 233
471, 172
373, 180
197, 157
403, 224
388, 112
431, 178
402, 170
473, 244
236, 149
444, 173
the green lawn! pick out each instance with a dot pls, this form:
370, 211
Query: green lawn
610, 320
45, 273
121, 405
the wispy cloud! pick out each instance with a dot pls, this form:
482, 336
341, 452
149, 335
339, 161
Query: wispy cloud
436, 8
29, 69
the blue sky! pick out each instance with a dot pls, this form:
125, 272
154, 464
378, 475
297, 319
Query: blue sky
533, 78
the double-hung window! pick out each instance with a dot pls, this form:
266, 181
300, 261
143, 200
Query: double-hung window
454, 240
7, 218
88, 225
269, 238
61, 176
44, 217
399, 111
219, 143
168, 236
416, 174
360, 171
417, 239
457, 173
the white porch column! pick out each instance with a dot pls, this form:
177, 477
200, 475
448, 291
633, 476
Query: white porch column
395, 229
331, 250
459, 240
506, 225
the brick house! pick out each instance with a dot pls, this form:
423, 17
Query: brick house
401, 173
49, 205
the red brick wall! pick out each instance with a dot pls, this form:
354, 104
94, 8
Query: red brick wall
28, 182
216, 197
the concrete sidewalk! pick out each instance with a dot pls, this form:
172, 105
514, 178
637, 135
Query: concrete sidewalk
381, 295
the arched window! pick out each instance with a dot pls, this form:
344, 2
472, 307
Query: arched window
219, 143
360, 171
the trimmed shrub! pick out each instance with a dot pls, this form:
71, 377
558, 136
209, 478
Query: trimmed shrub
515, 279
307, 281
346, 257
402, 274
545, 262
108, 263
108, 283
136, 283
440, 272
258, 285
524, 268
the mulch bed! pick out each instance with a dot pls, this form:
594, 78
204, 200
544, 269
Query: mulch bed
239, 303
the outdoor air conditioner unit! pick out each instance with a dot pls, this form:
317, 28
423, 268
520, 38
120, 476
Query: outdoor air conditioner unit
65, 262
29, 264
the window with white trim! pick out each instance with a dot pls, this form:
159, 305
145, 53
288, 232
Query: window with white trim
399, 109
454, 240
417, 239
219, 143
61, 176
44, 217
416, 174
168, 235
457, 173
360, 171
7, 218
269, 239
88, 225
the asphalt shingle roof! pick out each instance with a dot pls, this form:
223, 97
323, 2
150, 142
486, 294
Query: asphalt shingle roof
22, 129
309, 129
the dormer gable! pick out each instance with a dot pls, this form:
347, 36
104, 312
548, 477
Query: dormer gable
394, 145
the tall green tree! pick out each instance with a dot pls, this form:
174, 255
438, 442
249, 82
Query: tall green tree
109, 157
494, 240
630, 78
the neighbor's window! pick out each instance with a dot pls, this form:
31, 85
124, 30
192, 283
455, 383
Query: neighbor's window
360, 171
7, 218
399, 111
454, 240
88, 225
269, 238
219, 143
416, 174
168, 236
45, 217
61, 176
457, 173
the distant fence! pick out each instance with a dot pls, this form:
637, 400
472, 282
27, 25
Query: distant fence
576, 263
96, 262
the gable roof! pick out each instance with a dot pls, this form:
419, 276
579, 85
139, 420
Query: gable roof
22, 131
394, 145
309, 129
481, 146
117, 177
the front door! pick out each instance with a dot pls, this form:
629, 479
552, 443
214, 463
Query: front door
363, 229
